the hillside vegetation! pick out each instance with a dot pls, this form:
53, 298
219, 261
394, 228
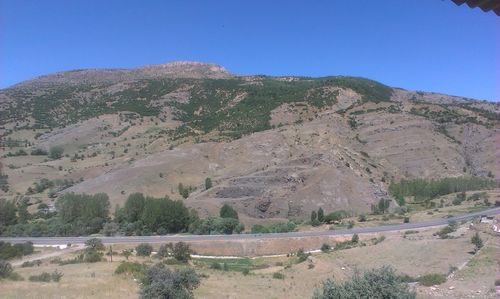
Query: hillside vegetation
270, 147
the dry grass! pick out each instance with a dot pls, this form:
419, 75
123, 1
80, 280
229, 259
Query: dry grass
418, 254
79, 281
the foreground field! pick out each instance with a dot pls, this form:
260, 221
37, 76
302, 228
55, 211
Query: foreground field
414, 254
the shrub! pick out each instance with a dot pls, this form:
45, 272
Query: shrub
456, 201
355, 238
184, 191
28, 264
182, 252
208, 183
477, 241
283, 227
226, 211
56, 152
379, 240
278, 275
10, 251
126, 253
94, 244
302, 255
345, 245
129, 268
315, 222
165, 250
38, 152
144, 249
5, 269
325, 247
43, 277
216, 225
56, 276
406, 220
215, 266
239, 228
245, 271
362, 218
432, 279
335, 216
376, 283
161, 282
443, 233
92, 256
407, 278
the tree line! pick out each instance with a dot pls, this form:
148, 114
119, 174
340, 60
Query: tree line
84, 214
422, 189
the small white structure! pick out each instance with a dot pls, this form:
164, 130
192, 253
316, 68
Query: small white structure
487, 219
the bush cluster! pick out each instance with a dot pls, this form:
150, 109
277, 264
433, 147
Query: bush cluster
161, 282
9, 251
376, 283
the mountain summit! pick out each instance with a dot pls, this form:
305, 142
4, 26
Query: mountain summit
174, 69
186, 69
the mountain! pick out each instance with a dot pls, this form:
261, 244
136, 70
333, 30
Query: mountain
274, 147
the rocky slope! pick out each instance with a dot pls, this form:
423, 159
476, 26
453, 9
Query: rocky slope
275, 147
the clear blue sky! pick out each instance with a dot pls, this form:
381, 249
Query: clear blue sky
430, 45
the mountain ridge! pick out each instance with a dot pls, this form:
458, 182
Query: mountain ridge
275, 147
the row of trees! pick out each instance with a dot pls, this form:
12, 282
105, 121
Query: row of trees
422, 189
83, 214
77, 214
153, 215
145, 215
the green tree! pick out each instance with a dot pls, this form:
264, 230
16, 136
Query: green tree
7, 213
182, 252
134, 206
165, 250
477, 241
226, 211
22, 211
144, 249
94, 244
165, 215
161, 282
82, 213
314, 216
56, 152
208, 183
184, 191
381, 283
126, 253
321, 215
383, 205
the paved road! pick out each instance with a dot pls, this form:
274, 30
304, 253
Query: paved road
176, 238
